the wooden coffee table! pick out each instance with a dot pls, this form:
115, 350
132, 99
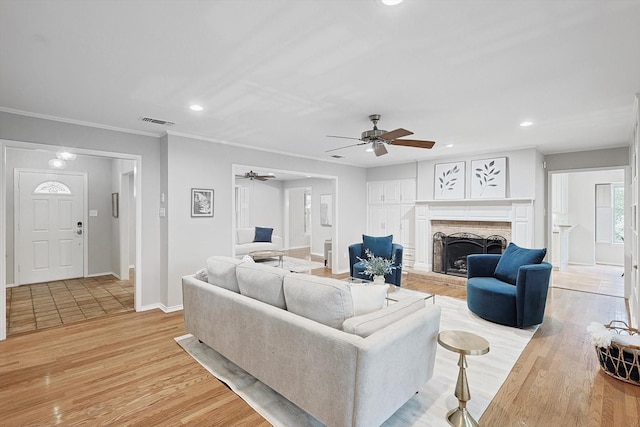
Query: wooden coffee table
257, 255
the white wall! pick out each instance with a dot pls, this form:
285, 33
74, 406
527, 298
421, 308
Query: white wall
521, 171
206, 164
266, 201
581, 213
297, 236
99, 198
319, 233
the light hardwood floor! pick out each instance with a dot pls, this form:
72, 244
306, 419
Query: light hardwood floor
128, 370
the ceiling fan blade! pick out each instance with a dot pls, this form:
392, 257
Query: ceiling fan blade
398, 133
413, 143
343, 137
261, 178
347, 146
379, 149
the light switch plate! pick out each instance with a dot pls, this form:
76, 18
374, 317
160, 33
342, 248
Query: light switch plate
93, 212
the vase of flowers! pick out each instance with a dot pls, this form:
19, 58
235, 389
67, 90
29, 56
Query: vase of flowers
377, 266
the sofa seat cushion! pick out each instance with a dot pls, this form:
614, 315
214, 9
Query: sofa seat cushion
369, 323
262, 282
323, 299
492, 299
255, 246
221, 271
515, 257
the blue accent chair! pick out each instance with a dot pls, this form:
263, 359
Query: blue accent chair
520, 304
356, 267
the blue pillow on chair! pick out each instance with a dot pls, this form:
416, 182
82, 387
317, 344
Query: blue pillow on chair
263, 234
514, 258
379, 246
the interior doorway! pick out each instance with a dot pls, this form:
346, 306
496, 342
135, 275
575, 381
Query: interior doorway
108, 255
586, 230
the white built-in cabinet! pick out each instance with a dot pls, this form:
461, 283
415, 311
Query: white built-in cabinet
391, 210
560, 193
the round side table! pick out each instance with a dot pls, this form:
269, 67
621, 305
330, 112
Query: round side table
465, 344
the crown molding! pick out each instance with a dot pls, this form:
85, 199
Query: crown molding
79, 122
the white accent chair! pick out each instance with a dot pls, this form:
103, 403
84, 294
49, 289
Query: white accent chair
245, 243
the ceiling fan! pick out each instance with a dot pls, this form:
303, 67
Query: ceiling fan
252, 175
378, 137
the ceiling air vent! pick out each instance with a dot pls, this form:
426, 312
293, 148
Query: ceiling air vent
156, 121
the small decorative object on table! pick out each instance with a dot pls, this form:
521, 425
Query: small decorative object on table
377, 266
618, 350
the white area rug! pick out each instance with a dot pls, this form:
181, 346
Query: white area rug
297, 265
429, 407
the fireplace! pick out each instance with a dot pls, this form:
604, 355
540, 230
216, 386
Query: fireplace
450, 250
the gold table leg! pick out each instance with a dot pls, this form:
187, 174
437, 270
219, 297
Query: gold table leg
460, 417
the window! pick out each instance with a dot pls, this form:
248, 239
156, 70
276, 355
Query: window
610, 213
618, 213
52, 187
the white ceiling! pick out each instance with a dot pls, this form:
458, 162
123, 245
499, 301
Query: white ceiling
281, 75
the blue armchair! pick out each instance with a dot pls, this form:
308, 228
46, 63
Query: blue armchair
516, 299
356, 267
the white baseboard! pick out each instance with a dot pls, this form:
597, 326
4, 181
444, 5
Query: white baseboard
108, 273
161, 307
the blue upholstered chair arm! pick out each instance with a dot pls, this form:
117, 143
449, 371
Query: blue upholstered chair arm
355, 251
532, 286
482, 265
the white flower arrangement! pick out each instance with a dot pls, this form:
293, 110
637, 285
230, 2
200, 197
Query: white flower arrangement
377, 266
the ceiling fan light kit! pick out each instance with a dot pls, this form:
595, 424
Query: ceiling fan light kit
378, 137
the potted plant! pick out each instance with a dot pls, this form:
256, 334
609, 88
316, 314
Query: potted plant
377, 266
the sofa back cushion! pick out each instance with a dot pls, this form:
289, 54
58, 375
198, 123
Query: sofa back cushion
323, 299
368, 298
221, 271
514, 258
262, 282
245, 235
378, 246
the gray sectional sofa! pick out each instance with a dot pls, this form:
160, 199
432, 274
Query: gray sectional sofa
298, 334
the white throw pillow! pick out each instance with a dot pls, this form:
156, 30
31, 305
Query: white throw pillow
245, 235
626, 339
248, 259
367, 298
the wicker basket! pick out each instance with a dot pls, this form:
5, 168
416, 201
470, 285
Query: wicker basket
618, 360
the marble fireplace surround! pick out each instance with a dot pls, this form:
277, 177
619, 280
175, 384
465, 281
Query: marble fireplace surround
511, 218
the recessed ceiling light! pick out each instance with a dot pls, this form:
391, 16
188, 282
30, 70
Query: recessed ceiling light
448, 145
391, 2
525, 124
196, 107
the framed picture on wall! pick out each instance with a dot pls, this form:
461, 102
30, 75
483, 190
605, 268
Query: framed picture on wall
449, 181
489, 178
326, 210
201, 202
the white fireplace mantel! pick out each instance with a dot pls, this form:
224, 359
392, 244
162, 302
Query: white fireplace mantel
519, 212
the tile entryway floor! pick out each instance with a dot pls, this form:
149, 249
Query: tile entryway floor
44, 305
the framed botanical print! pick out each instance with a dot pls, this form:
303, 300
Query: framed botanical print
489, 178
201, 202
449, 181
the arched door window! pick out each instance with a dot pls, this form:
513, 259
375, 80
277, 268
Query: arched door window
52, 187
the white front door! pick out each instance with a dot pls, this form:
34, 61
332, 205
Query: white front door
49, 226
